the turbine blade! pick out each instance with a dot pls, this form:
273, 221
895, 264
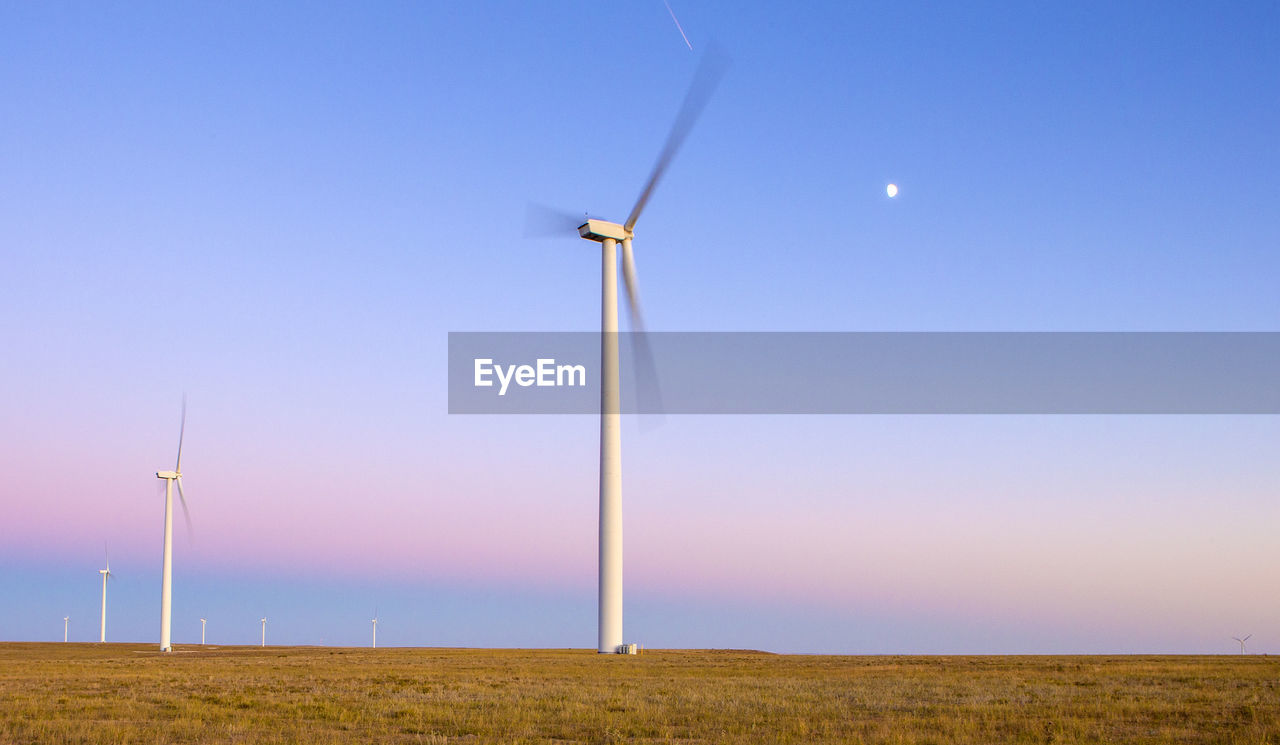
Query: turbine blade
1247, 638
632, 286
648, 390
705, 80
183, 499
541, 221
181, 432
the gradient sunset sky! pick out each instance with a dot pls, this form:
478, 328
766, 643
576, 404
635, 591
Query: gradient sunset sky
282, 210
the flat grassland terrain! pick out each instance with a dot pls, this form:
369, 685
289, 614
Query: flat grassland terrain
125, 693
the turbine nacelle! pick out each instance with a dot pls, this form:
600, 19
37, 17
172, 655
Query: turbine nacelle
599, 230
168, 475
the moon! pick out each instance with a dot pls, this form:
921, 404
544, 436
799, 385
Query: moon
891, 190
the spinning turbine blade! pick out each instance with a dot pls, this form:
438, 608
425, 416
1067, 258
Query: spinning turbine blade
648, 391
705, 80
632, 286
181, 432
183, 499
541, 221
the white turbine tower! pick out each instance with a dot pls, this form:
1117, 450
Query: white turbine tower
375, 628
106, 574
264, 631
202, 622
166, 582
66, 623
609, 235
1242, 641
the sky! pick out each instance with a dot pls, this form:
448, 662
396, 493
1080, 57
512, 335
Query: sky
282, 210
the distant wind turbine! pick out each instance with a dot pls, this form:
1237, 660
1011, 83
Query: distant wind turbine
1242, 641
264, 631
202, 621
66, 622
375, 628
166, 582
106, 574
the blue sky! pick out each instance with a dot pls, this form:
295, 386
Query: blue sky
283, 210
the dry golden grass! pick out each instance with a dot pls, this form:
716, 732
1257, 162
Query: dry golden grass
118, 693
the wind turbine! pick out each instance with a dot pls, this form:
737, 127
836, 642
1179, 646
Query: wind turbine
1242, 641
66, 622
264, 631
202, 621
166, 583
106, 574
375, 628
609, 235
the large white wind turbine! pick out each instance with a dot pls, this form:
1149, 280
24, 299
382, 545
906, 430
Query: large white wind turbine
202, 621
609, 235
375, 628
106, 574
264, 631
1242, 641
166, 582
66, 623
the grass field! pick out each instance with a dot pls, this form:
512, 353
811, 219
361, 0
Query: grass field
120, 693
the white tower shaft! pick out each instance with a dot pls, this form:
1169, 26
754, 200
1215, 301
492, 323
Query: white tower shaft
66, 622
610, 589
264, 632
166, 582
202, 632
102, 636
375, 633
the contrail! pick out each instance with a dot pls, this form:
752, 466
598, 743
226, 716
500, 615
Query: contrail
678, 27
